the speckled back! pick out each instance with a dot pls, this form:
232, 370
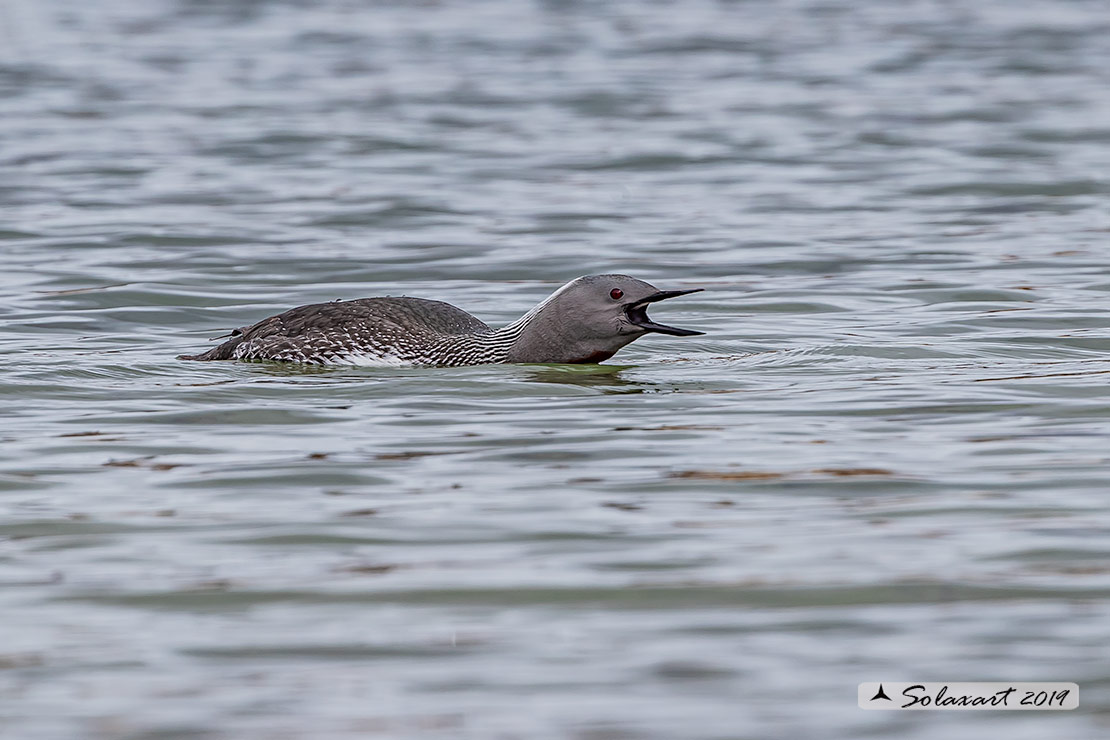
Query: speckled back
372, 331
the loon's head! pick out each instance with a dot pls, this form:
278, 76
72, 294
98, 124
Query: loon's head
590, 318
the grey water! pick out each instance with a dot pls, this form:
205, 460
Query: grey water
887, 459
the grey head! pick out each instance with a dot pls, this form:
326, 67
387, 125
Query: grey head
589, 319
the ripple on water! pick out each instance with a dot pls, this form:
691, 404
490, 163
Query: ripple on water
886, 456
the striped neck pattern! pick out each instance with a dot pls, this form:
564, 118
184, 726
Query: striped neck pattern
479, 348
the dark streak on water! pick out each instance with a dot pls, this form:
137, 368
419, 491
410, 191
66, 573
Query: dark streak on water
888, 458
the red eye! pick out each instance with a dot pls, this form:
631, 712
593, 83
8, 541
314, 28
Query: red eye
616, 294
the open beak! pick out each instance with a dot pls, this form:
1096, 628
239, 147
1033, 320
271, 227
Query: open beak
637, 313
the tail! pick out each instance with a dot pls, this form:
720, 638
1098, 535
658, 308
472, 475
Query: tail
225, 351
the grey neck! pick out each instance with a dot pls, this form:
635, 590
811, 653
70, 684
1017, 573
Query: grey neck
524, 340
541, 335
547, 334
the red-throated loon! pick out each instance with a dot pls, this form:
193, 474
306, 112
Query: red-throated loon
586, 320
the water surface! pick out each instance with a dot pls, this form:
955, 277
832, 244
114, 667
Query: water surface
886, 460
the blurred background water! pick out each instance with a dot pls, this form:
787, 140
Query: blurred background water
886, 460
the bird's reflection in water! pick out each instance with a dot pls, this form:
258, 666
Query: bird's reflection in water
291, 369
606, 378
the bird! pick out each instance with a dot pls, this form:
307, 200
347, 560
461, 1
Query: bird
585, 321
